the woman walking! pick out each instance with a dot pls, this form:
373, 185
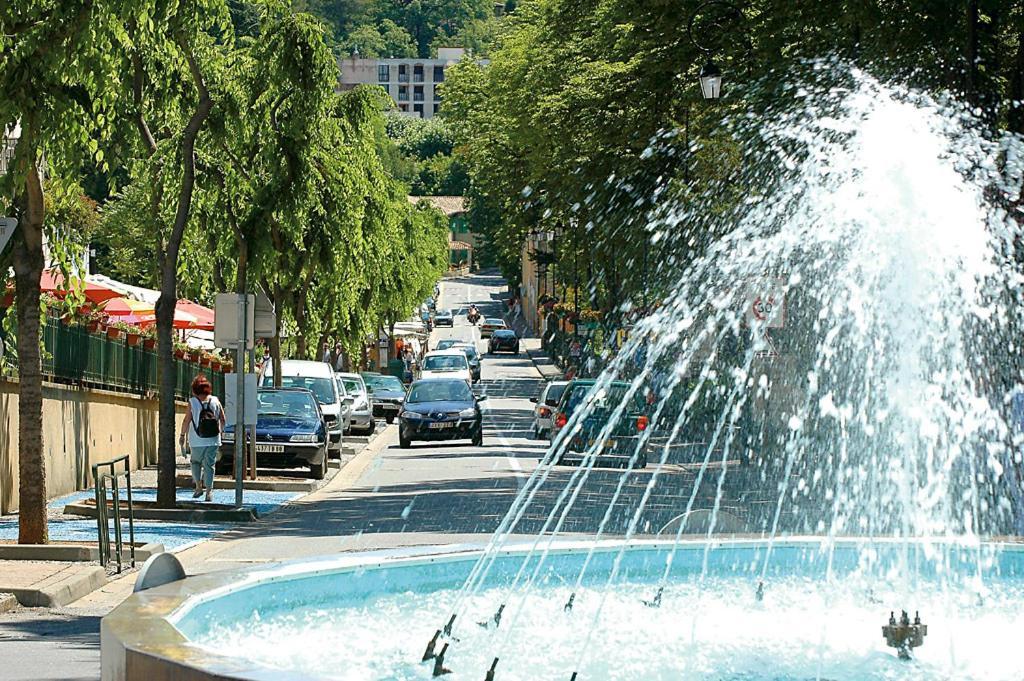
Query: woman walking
204, 421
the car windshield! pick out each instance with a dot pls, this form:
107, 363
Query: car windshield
446, 343
440, 391
322, 388
502, 333
383, 384
444, 363
353, 386
494, 322
285, 403
470, 351
444, 313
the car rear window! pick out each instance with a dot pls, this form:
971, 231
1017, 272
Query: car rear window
445, 362
353, 385
555, 394
609, 399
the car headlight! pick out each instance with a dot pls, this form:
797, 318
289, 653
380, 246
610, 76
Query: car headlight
303, 437
411, 415
467, 413
227, 437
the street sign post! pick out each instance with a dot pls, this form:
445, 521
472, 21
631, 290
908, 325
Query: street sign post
233, 325
7, 227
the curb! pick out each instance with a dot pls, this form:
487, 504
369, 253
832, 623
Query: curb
547, 372
62, 591
185, 482
70, 553
181, 514
7, 602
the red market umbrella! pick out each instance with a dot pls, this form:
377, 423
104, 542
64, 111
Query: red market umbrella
52, 282
128, 311
204, 315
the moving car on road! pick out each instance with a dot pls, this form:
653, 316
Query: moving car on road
444, 318
441, 409
317, 377
386, 392
290, 432
547, 403
503, 340
472, 356
361, 419
621, 443
450, 363
490, 325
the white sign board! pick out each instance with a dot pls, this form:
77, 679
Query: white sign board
230, 399
264, 319
7, 227
227, 331
765, 303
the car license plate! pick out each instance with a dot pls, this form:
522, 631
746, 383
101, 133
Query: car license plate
439, 426
270, 449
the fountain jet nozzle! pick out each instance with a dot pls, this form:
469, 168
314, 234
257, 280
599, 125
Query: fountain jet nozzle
496, 619
439, 668
904, 636
490, 672
656, 601
759, 594
568, 604
448, 627
429, 652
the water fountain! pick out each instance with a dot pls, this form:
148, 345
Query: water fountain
879, 216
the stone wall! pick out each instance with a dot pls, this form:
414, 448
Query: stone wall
80, 427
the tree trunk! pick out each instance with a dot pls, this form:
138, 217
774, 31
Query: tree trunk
972, 52
166, 487
28, 269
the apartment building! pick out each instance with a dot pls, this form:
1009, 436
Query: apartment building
412, 83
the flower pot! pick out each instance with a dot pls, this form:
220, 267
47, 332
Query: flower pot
133, 339
181, 354
204, 361
95, 327
114, 333
149, 344
215, 366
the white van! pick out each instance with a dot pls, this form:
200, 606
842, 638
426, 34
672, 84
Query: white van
318, 377
446, 364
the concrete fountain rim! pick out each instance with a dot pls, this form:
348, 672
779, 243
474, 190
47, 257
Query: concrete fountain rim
139, 638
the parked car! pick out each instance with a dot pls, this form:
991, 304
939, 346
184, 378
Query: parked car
450, 363
387, 393
444, 318
620, 444
547, 403
317, 377
290, 432
446, 343
346, 405
490, 325
440, 409
503, 340
362, 404
472, 356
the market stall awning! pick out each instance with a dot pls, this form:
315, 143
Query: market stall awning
52, 282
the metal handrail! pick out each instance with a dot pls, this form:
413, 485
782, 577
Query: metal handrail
103, 521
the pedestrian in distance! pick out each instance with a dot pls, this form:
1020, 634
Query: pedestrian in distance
325, 353
203, 424
337, 357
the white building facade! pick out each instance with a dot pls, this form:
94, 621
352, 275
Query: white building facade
412, 83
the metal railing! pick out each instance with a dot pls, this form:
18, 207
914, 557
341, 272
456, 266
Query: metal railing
103, 520
73, 355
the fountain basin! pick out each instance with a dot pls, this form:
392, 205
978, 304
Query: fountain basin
370, 615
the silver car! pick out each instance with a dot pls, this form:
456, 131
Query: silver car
361, 421
544, 411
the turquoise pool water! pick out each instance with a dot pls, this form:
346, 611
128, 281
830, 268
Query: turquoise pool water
820, 617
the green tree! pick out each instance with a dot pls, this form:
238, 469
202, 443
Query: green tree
60, 88
386, 39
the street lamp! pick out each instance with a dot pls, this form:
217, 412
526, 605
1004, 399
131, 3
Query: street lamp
711, 81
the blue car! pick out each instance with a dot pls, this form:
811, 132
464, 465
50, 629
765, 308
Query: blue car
290, 432
440, 409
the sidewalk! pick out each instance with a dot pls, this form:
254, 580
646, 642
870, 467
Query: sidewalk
544, 364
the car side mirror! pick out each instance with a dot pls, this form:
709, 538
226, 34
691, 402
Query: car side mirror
534, 400
481, 398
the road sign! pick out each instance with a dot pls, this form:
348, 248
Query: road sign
227, 326
7, 227
765, 304
231, 394
264, 318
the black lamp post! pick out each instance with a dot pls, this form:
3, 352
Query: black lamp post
716, 13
